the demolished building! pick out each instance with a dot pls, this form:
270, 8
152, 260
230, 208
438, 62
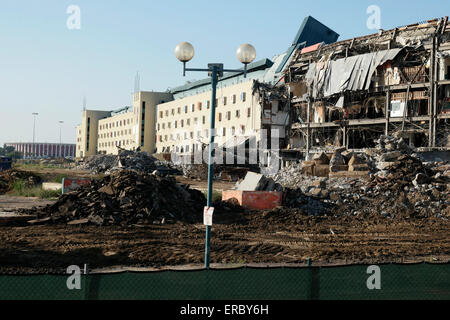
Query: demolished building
349, 93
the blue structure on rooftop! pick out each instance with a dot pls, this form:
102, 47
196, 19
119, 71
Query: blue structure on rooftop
311, 32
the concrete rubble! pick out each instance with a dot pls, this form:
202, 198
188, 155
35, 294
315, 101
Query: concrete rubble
130, 160
125, 198
258, 182
398, 184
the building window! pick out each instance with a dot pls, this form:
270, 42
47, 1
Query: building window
161, 114
88, 133
179, 110
192, 107
243, 96
199, 106
249, 112
203, 119
229, 115
208, 104
185, 109
238, 113
220, 116
234, 99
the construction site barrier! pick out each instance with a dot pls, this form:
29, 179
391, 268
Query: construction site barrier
417, 281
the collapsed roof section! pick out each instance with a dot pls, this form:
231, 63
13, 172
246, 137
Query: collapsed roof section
327, 60
311, 32
350, 92
331, 77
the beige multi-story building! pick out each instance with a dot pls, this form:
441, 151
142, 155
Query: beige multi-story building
87, 132
183, 125
105, 132
242, 110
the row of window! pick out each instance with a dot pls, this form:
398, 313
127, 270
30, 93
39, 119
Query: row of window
115, 143
116, 124
114, 134
187, 122
222, 132
200, 106
195, 147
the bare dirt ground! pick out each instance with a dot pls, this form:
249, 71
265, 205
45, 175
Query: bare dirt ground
283, 236
11, 203
286, 236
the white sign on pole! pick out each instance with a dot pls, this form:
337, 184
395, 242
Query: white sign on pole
208, 216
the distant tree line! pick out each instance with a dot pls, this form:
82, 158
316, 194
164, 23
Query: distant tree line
7, 151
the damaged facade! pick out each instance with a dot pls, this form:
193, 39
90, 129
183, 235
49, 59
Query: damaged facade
349, 93
254, 107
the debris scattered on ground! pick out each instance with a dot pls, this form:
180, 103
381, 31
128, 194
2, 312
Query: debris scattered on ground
126, 159
258, 182
125, 198
399, 185
221, 172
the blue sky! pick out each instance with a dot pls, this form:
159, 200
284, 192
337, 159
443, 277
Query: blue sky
47, 68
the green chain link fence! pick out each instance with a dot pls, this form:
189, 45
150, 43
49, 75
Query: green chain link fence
418, 281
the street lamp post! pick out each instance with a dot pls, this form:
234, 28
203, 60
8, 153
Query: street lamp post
34, 130
184, 52
60, 141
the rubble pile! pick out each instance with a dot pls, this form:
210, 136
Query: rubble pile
291, 176
126, 159
221, 172
126, 198
310, 203
8, 177
98, 163
196, 171
398, 184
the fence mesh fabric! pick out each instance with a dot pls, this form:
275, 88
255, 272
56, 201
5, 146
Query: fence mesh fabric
420, 281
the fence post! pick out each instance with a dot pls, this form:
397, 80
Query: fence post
313, 288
